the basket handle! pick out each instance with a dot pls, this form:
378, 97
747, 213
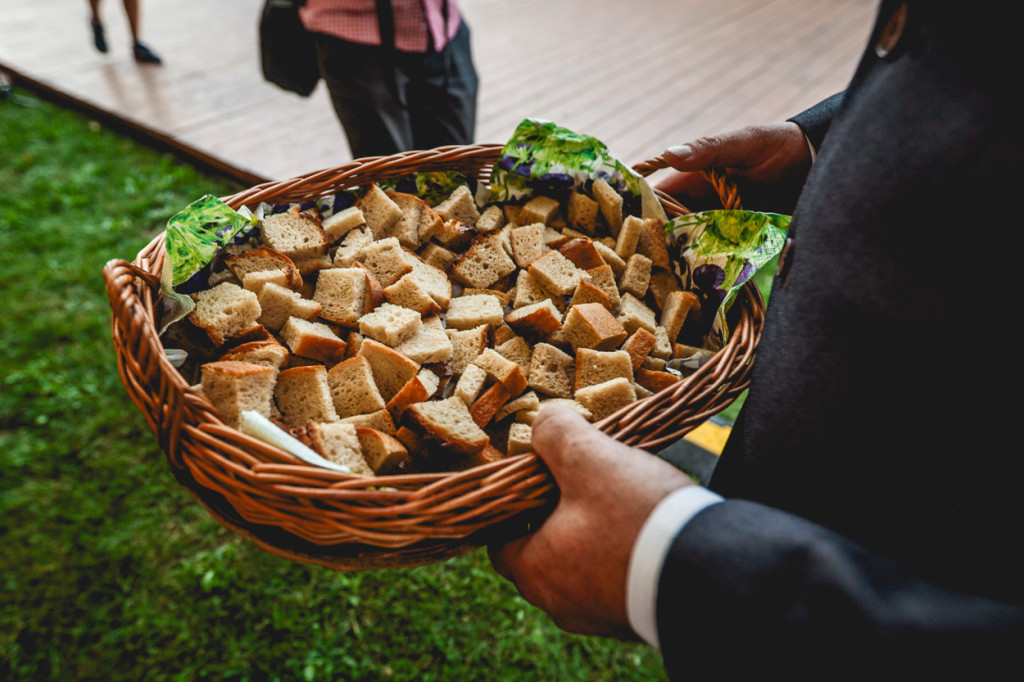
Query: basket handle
720, 181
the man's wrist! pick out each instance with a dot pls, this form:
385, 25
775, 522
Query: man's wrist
649, 551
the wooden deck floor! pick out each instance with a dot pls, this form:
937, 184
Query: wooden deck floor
639, 75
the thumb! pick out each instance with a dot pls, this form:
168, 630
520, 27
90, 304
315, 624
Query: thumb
726, 150
565, 440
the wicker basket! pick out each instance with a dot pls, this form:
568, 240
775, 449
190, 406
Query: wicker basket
346, 522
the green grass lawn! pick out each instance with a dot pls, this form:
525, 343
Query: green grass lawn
110, 570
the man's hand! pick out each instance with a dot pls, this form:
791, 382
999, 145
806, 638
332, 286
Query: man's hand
769, 164
575, 566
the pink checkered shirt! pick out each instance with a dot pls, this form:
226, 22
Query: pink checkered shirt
356, 21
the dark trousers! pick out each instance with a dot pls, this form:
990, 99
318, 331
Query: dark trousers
424, 101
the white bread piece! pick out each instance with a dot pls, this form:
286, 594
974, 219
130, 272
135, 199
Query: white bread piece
609, 256
526, 401
651, 362
294, 233
663, 282
529, 291
352, 248
225, 311
654, 380
603, 278
556, 273
407, 228
386, 260
595, 367
491, 218
588, 292
528, 243
483, 264
455, 234
677, 307
313, 340
303, 394
662, 344
234, 386
582, 252
278, 303
470, 384
307, 265
605, 398
337, 442
582, 212
634, 314
467, 312
551, 371
268, 353
379, 211
380, 420
429, 345
488, 403
391, 324
610, 203
419, 388
502, 370
652, 243
344, 295
391, 369
539, 209
353, 389
343, 222
433, 280
590, 325
408, 292
518, 350
537, 319
503, 296
628, 237
437, 256
450, 423
639, 346
255, 281
520, 439
383, 451
459, 206
261, 259
466, 345
637, 275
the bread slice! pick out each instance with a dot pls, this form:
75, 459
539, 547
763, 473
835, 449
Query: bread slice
590, 325
337, 442
383, 451
582, 252
262, 259
628, 237
663, 282
595, 367
234, 386
294, 233
551, 371
343, 222
526, 401
535, 320
352, 248
609, 202
487, 405
386, 260
344, 294
581, 212
391, 369
313, 340
431, 279
255, 281
353, 388
502, 370
654, 380
529, 291
391, 324
407, 228
470, 384
528, 243
652, 243
303, 394
466, 345
467, 312
379, 211
408, 292
459, 206
607, 397
556, 273
634, 314
449, 423
278, 303
483, 264
419, 388
437, 256
677, 307
639, 345
608, 255
380, 420
429, 345
517, 349
637, 275
539, 209
268, 353
225, 311
588, 292
520, 439
491, 218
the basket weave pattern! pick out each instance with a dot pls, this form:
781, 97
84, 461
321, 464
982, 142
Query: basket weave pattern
348, 522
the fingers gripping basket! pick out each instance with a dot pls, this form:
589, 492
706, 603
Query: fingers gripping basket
349, 522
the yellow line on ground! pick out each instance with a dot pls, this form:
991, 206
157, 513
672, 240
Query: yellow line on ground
710, 436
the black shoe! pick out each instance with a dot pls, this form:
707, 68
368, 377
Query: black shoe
144, 55
98, 37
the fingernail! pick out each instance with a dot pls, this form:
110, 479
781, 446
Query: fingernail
681, 151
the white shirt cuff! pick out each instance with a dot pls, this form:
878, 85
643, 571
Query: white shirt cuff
649, 552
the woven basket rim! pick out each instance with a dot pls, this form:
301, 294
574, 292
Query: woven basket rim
344, 521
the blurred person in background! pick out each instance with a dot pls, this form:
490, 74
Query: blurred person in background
400, 73
142, 52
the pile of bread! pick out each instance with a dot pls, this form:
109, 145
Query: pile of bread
395, 336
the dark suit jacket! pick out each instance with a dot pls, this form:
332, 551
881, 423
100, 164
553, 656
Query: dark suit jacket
873, 480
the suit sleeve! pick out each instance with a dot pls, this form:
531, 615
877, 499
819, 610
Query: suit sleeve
748, 588
815, 122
